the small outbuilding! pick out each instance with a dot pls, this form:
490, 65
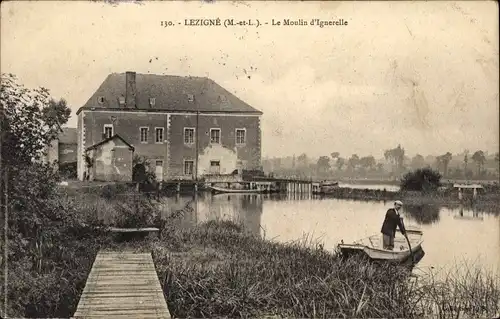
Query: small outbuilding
109, 160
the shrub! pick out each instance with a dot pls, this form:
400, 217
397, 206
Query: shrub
112, 190
68, 170
423, 179
136, 211
52, 243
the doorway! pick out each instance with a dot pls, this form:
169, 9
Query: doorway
159, 170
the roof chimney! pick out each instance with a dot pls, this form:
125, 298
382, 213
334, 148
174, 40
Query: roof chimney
130, 90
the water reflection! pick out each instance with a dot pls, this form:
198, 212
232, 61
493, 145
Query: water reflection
450, 234
423, 214
469, 214
289, 197
240, 208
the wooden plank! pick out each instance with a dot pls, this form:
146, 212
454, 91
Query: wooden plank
122, 284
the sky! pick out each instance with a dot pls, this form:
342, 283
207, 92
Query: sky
421, 74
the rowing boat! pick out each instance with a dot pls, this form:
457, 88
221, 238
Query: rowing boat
372, 248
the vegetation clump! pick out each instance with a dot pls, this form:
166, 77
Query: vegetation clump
424, 179
52, 240
217, 269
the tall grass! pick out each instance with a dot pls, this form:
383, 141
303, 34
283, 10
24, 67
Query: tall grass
219, 270
47, 273
45, 281
464, 291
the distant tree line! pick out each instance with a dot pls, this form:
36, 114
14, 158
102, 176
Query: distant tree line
478, 165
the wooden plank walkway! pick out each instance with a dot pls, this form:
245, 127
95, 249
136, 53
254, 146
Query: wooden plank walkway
122, 285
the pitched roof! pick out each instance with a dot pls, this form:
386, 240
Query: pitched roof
68, 135
170, 93
109, 139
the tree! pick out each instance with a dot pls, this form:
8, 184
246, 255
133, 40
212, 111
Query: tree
368, 162
417, 162
335, 155
303, 160
31, 121
388, 155
323, 164
45, 229
423, 179
479, 158
353, 162
142, 171
443, 161
399, 154
395, 157
466, 161
380, 167
340, 163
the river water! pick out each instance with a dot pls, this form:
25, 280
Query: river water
451, 236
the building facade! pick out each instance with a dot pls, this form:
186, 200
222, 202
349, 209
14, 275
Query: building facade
111, 160
186, 127
63, 149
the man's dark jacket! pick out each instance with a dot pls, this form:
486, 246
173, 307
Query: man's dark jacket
391, 221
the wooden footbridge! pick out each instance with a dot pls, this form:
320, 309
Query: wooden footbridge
122, 285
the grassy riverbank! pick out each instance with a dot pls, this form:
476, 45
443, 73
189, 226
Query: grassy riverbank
219, 270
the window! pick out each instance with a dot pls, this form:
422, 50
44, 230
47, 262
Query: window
144, 134
190, 98
188, 135
100, 99
159, 134
188, 167
215, 135
152, 101
214, 167
240, 136
108, 130
121, 100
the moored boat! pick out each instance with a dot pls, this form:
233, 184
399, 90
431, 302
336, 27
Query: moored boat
216, 189
371, 247
329, 183
326, 187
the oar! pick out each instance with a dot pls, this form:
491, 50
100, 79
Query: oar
408, 241
411, 251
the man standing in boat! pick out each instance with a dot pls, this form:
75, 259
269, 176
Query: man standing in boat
391, 222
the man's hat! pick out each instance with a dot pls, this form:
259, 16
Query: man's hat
398, 203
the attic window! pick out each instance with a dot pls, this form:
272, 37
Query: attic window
190, 98
222, 98
152, 101
100, 99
